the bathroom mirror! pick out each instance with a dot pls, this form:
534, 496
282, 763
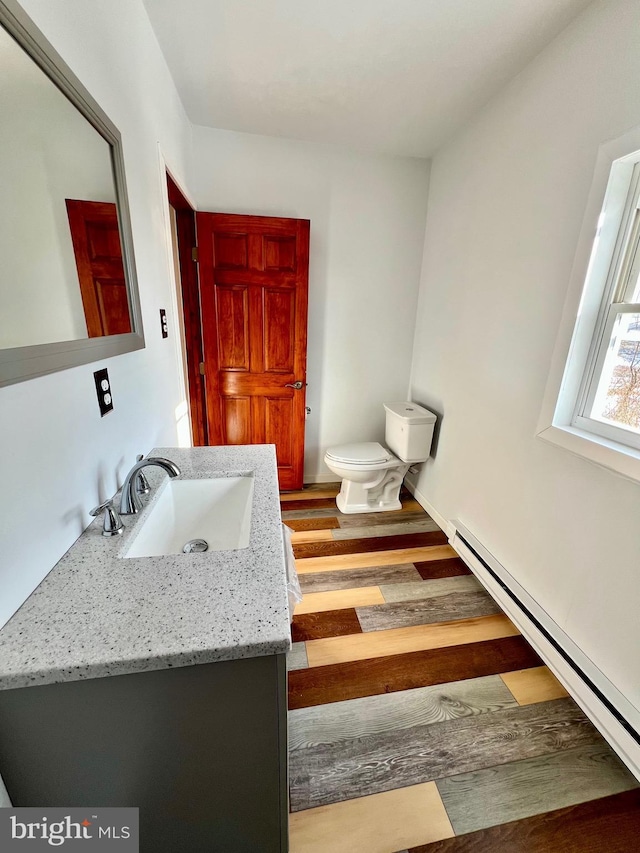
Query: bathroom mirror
68, 291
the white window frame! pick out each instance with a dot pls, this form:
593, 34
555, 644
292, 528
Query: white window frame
593, 301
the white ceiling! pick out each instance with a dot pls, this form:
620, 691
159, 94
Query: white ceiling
393, 76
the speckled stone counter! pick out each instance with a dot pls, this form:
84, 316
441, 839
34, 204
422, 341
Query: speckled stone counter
98, 614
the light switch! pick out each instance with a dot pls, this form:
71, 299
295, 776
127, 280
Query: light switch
163, 323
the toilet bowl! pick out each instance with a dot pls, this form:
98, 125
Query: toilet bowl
371, 474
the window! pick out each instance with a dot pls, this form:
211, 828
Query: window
592, 404
608, 402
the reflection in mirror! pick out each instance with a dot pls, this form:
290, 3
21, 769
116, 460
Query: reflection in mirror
68, 288
98, 253
62, 275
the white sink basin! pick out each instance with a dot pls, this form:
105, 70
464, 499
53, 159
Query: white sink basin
216, 510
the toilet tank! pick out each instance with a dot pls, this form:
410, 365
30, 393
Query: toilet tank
409, 431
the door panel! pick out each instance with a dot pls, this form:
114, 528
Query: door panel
254, 279
237, 416
279, 254
233, 327
230, 251
113, 306
279, 329
279, 416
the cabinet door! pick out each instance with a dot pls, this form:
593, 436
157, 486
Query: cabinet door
200, 750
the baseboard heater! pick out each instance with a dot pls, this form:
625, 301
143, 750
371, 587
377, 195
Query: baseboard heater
612, 714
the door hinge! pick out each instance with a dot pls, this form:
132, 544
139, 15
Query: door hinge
194, 254
201, 368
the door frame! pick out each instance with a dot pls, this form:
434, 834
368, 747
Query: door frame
190, 292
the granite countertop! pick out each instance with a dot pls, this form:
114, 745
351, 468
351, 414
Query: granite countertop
98, 614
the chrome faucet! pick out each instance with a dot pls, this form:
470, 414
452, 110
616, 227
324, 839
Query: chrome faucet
129, 500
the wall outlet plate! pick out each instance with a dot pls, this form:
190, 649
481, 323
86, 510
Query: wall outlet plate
163, 323
103, 390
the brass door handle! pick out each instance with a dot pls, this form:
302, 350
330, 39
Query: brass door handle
297, 386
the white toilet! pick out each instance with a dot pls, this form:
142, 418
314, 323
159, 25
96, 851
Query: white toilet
371, 475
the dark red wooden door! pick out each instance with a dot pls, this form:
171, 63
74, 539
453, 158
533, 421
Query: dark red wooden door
254, 283
98, 252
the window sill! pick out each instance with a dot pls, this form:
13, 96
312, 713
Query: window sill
622, 460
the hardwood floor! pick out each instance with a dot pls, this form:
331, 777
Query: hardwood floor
419, 719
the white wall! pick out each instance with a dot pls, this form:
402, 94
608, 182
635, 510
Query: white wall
59, 458
506, 203
367, 217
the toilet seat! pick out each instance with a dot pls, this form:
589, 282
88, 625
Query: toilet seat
364, 453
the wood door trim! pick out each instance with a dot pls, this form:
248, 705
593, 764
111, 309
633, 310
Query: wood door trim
210, 336
190, 292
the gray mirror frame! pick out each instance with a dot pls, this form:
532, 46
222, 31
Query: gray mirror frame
22, 363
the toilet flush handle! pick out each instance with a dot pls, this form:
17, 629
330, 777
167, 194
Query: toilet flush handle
298, 386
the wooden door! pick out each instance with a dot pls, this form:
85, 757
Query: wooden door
254, 281
96, 245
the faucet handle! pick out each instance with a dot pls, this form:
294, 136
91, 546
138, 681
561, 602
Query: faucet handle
142, 484
112, 523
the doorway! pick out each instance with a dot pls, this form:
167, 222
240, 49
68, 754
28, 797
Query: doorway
244, 301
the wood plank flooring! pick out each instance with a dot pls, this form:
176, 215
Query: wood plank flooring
408, 639
608, 824
446, 750
419, 719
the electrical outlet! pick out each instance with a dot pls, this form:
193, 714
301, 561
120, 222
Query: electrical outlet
103, 390
163, 323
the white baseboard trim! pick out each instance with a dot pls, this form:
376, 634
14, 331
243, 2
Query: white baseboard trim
611, 713
320, 478
440, 520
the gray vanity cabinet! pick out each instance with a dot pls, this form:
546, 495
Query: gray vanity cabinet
201, 750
